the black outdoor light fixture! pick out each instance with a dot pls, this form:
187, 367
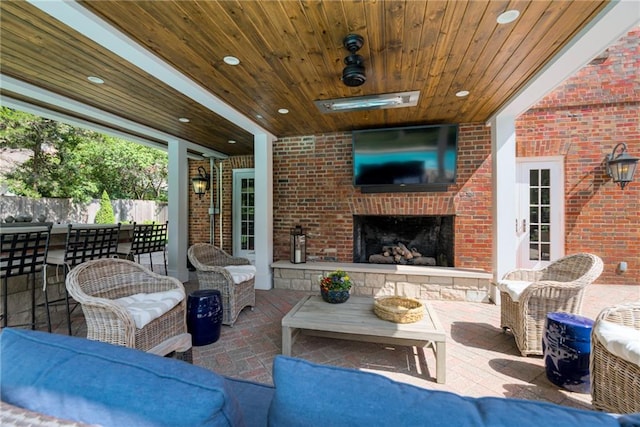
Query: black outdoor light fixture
201, 182
621, 167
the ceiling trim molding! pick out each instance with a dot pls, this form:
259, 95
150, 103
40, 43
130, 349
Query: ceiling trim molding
95, 28
615, 20
30, 91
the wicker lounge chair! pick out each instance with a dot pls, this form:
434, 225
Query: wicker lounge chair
615, 382
97, 284
558, 287
210, 262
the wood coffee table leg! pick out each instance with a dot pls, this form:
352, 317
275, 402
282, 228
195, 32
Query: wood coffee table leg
287, 341
441, 357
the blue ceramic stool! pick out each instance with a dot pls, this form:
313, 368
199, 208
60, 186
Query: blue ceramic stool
204, 316
567, 345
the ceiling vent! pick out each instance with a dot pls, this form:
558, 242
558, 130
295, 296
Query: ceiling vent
353, 74
371, 102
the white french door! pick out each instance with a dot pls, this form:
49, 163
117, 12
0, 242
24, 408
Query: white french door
243, 212
539, 223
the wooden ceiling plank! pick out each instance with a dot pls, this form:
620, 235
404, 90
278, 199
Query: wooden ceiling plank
519, 66
443, 44
374, 46
414, 36
434, 14
498, 51
468, 15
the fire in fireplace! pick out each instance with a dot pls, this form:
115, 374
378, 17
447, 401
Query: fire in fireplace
411, 240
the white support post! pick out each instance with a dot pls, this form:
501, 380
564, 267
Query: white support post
178, 210
503, 160
263, 154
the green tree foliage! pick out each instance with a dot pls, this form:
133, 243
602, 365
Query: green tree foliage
127, 170
53, 170
105, 214
80, 164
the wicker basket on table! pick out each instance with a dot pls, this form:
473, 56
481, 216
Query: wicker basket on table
398, 309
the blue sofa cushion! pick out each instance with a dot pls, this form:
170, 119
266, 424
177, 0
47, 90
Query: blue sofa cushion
254, 399
314, 395
98, 383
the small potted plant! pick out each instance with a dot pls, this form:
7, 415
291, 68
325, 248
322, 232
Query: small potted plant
335, 286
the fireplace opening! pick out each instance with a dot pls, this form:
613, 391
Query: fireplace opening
411, 240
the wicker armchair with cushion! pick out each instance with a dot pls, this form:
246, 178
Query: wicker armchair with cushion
528, 295
126, 304
233, 276
615, 359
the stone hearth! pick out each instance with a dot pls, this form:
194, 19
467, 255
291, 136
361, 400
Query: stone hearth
430, 283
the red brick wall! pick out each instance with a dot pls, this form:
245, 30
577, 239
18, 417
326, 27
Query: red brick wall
313, 188
199, 208
583, 120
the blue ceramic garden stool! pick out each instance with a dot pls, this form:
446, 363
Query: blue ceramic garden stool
204, 316
567, 345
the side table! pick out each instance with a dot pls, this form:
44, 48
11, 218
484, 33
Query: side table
204, 316
567, 346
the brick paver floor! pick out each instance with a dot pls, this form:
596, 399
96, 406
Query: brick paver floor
482, 360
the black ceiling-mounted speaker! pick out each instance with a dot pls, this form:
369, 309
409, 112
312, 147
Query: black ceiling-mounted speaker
353, 74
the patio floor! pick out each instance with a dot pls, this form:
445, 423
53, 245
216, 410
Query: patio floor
481, 359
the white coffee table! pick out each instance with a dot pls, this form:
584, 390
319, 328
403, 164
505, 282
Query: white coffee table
355, 320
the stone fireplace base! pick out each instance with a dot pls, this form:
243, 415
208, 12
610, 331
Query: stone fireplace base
429, 283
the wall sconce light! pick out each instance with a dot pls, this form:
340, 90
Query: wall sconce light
621, 167
201, 182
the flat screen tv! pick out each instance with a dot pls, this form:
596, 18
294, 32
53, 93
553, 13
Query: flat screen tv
418, 158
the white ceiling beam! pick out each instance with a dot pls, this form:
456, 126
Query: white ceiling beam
30, 91
614, 21
86, 23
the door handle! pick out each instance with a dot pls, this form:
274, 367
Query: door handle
524, 225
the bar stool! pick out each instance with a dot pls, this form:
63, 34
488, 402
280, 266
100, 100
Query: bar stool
24, 248
83, 243
147, 239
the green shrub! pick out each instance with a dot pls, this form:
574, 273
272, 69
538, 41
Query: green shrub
105, 214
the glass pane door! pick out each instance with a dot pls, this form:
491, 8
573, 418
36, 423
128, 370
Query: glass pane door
539, 224
244, 213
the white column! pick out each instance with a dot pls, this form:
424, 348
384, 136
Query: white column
503, 160
178, 210
263, 155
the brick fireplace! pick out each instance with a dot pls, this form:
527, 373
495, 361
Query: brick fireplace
429, 238
313, 187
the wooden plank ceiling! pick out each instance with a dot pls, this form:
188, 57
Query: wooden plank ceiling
291, 54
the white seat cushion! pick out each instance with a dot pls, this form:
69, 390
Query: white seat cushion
513, 287
55, 257
124, 248
241, 273
147, 307
623, 341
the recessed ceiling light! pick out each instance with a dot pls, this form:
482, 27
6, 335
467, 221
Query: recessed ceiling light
283, 111
462, 93
231, 141
231, 60
183, 120
96, 80
258, 116
508, 16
